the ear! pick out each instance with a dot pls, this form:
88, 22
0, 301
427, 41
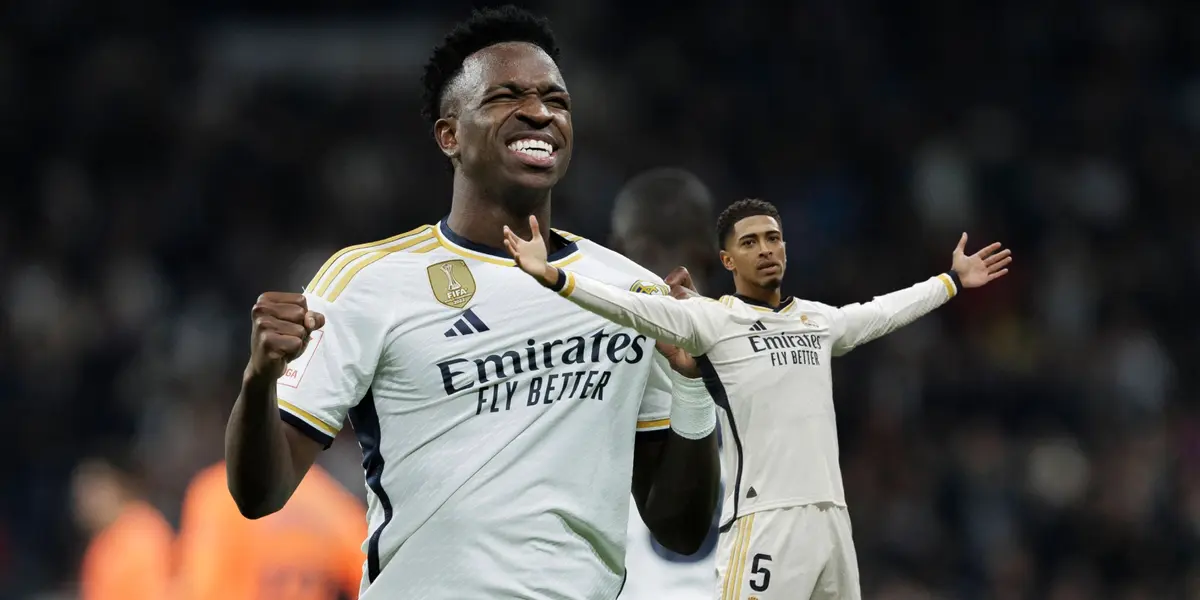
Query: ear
445, 133
726, 261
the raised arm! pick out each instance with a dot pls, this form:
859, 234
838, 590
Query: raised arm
312, 359
691, 324
857, 324
265, 457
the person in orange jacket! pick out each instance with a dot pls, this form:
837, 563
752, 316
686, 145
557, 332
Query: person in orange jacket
309, 550
128, 555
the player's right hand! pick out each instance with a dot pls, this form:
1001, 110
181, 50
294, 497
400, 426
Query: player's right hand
281, 327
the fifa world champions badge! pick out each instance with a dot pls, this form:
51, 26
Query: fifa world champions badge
452, 283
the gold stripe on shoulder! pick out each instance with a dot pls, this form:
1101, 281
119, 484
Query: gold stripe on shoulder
570, 237
427, 248
348, 259
345, 275
344, 251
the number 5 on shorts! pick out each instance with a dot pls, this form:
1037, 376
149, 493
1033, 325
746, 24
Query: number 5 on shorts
758, 568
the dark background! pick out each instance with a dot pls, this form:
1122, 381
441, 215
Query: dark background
162, 163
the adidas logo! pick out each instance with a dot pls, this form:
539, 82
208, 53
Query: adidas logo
751, 493
758, 326
466, 324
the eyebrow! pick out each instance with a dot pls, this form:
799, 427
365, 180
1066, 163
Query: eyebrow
550, 88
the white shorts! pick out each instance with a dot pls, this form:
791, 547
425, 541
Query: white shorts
797, 553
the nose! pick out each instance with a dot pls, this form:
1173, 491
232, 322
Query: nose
535, 112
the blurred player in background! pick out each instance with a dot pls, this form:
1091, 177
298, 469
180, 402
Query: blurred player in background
766, 359
130, 544
661, 220
500, 427
309, 550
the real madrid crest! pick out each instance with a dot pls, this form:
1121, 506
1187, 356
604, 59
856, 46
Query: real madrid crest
649, 287
452, 283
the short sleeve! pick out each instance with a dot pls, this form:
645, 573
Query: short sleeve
337, 367
655, 410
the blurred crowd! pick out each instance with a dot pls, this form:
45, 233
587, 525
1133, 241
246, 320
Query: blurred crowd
163, 163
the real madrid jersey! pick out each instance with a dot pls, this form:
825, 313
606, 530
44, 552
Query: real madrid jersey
769, 370
497, 421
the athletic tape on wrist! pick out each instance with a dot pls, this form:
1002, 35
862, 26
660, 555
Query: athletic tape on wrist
693, 413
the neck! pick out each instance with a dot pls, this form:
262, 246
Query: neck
770, 297
479, 213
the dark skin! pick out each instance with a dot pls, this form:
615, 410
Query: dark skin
505, 93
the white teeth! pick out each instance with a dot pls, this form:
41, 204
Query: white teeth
536, 148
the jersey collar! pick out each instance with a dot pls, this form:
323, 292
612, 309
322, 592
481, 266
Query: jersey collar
498, 256
783, 305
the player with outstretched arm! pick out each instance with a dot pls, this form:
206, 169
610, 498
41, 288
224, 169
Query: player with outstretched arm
766, 360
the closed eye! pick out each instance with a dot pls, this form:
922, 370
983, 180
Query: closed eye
501, 96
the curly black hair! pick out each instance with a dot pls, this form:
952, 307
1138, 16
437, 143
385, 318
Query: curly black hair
749, 207
485, 27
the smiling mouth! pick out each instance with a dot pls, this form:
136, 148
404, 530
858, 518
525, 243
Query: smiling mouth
535, 153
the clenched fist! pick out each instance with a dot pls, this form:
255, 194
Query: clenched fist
282, 323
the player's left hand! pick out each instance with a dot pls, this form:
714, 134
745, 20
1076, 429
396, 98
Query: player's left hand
981, 268
682, 286
530, 254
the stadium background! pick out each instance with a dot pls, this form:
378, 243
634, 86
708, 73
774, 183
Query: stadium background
164, 162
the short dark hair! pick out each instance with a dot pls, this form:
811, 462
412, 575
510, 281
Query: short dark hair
668, 203
749, 207
485, 27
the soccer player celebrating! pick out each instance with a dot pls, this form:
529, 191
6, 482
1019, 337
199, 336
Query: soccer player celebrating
497, 423
785, 528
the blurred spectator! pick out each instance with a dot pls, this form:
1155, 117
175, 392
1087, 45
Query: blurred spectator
309, 550
130, 544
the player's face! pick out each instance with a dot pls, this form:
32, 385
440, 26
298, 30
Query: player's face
756, 253
513, 118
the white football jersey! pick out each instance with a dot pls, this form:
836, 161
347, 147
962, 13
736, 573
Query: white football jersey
769, 370
497, 421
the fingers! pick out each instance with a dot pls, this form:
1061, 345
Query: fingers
314, 321
280, 346
680, 276
283, 298
680, 292
962, 243
999, 256
533, 227
291, 312
987, 251
997, 274
1000, 265
273, 325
